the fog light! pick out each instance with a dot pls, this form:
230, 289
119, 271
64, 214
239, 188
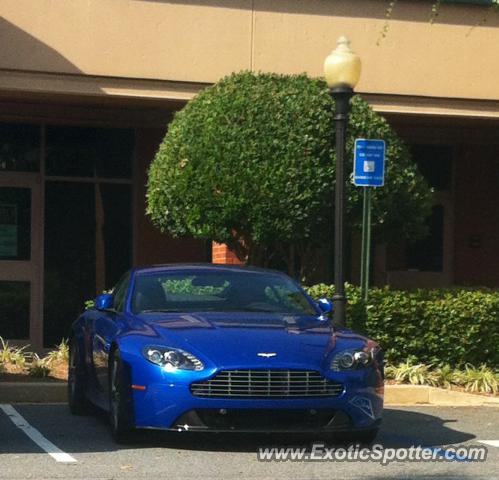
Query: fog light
363, 404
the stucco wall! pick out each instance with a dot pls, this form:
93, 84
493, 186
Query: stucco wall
202, 40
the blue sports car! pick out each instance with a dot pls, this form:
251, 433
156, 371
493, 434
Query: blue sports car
222, 348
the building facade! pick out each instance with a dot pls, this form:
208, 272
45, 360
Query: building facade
87, 90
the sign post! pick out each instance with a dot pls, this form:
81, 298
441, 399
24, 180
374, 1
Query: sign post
369, 171
366, 243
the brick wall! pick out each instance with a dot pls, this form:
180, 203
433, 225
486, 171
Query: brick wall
221, 253
152, 246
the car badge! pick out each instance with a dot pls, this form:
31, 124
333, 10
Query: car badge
267, 355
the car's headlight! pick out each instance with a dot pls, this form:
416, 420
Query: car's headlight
353, 359
172, 359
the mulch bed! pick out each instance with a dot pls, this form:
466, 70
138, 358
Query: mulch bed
58, 374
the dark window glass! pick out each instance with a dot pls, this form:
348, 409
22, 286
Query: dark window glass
435, 163
226, 291
70, 247
70, 151
427, 254
19, 147
69, 255
117, 221
15, 223
116, 158
83, 152
14, 310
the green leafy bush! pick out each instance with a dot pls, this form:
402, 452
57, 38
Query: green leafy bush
436, 327
250, 162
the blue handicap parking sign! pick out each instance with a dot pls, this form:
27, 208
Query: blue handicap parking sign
369, 163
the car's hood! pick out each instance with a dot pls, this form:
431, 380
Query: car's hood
252, 339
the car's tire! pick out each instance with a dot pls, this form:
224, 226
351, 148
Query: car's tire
120, 399
77, 381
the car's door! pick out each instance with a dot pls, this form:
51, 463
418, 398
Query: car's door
107, 324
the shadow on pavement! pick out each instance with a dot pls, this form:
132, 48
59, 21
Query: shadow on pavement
401, 428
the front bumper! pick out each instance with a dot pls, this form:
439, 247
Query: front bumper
169, 404
257, 420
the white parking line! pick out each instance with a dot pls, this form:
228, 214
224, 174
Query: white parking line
492, 443
20, 422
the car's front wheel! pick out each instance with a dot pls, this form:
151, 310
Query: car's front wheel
120, 399
77, 379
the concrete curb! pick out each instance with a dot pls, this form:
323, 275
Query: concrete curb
424, 395
48, 392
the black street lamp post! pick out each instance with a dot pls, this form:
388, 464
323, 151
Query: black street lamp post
342, 72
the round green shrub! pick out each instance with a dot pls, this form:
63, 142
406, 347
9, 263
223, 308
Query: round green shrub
250, 162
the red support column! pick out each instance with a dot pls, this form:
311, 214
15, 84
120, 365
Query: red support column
221, 253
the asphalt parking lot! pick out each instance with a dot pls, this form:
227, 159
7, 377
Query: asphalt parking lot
82, 448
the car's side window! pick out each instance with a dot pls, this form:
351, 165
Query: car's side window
120, 291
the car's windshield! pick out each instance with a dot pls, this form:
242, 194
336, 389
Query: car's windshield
218, 290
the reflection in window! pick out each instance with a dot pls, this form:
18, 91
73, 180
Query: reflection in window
218, 290
19, 147
427, 254
71, 265
117, 221
14, 310
69, 255
435, 164
85, 152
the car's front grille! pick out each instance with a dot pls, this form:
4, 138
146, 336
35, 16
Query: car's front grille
267, 383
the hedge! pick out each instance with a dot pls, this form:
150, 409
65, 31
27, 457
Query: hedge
443, 326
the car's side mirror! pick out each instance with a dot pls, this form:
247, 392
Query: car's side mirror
104, 302
325, 305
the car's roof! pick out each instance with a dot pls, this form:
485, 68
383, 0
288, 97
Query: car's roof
203, 266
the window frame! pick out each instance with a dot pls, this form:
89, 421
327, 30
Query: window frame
123, 285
